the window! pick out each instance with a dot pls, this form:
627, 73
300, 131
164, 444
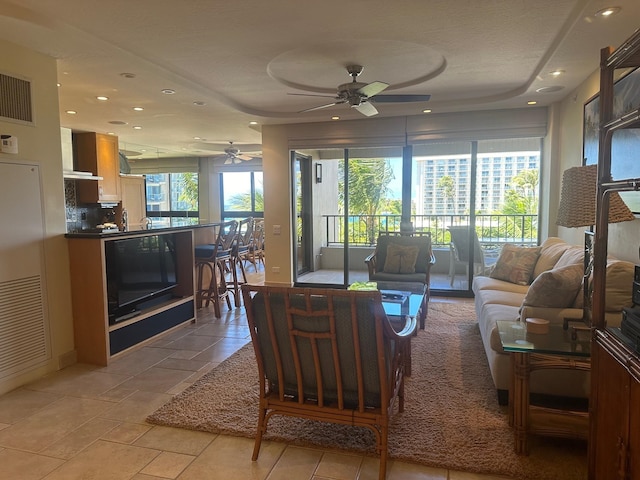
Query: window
172, 198
241, 195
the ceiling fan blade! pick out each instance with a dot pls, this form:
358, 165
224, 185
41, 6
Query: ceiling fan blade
366, 109
227, 161
311, 95
242, 156
373, 88
400, 98
319, 107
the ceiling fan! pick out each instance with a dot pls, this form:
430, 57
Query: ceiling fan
360, 95
233, 155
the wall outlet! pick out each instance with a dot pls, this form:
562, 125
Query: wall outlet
276, 229
275, 269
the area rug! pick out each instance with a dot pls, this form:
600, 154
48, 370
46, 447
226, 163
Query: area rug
451, 420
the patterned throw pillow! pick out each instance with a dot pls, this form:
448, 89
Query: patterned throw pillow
401, 259
516, 264
555, 288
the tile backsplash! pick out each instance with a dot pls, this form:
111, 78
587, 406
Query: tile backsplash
83, 217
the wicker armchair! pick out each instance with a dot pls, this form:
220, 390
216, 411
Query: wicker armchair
328, 355
376, 261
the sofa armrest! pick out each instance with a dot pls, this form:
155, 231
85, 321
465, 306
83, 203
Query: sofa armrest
554, 315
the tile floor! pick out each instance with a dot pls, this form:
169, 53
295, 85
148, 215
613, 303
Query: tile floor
88, 422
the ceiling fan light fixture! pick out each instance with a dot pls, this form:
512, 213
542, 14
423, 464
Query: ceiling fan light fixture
608, 12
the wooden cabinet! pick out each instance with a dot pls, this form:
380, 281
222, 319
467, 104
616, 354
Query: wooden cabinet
615, 440
98, 153
96, 340
133, 200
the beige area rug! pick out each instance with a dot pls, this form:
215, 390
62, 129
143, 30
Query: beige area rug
451, 419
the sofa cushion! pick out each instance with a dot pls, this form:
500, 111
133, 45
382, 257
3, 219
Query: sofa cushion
619, 285
488, 283
556, 288
550, 251
572, 256
516, 264
401, 259
495, 312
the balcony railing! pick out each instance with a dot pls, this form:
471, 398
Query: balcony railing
491, 229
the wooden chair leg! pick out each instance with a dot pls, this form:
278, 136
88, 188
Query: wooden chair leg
384, 435
262, 427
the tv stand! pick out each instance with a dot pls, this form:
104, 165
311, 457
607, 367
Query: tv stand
98, 341
126, 316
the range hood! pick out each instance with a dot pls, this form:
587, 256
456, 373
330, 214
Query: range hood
67, 159
76, 175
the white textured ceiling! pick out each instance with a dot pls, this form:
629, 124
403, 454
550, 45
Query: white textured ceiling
242, 59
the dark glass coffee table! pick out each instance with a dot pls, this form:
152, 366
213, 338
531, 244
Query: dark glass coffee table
417, 299
556, 349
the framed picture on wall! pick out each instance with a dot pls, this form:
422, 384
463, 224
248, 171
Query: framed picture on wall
626, 143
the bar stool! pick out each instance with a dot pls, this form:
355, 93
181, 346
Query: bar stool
240, 254
214, 258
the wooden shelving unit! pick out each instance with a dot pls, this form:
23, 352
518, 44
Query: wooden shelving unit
614, 437
96, 341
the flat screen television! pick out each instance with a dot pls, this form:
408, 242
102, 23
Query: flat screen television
139, 270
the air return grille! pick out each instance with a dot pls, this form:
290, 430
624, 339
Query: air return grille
15, 98
23, 336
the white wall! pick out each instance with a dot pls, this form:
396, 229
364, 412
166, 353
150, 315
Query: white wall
41, 144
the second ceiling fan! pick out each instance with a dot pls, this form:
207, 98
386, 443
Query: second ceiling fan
360, 95
233, 155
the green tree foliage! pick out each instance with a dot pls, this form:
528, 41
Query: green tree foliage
369, 180
189, 194
447, 187
242, 201
522, 199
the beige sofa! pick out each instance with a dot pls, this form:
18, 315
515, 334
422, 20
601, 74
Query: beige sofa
553, 291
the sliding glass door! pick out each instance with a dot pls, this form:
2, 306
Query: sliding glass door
473, 197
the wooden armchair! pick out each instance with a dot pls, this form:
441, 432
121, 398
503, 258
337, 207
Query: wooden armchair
328, 355
417, 271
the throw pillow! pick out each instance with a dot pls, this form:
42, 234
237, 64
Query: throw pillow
401, 259
556, 288
516, 264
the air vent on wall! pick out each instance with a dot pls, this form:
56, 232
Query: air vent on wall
15, 99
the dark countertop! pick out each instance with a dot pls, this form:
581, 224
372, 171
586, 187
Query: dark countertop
117, 233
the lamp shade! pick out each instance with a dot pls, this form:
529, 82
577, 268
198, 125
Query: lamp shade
578, 199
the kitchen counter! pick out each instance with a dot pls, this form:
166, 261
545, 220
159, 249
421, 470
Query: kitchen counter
118, 233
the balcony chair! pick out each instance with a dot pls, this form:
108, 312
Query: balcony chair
459, 252
328, 355
214, 258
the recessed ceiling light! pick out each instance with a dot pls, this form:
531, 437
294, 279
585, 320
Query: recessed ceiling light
253, 122
111, 133
58, 84
556, 73
137, 127
426, 110
138, 109
71, 112
532, 102
335, 117
199, 104
607, 12
168, 91
117, 122
128, 75
102, 98
196, 138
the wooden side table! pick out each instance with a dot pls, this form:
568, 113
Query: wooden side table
538, 351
